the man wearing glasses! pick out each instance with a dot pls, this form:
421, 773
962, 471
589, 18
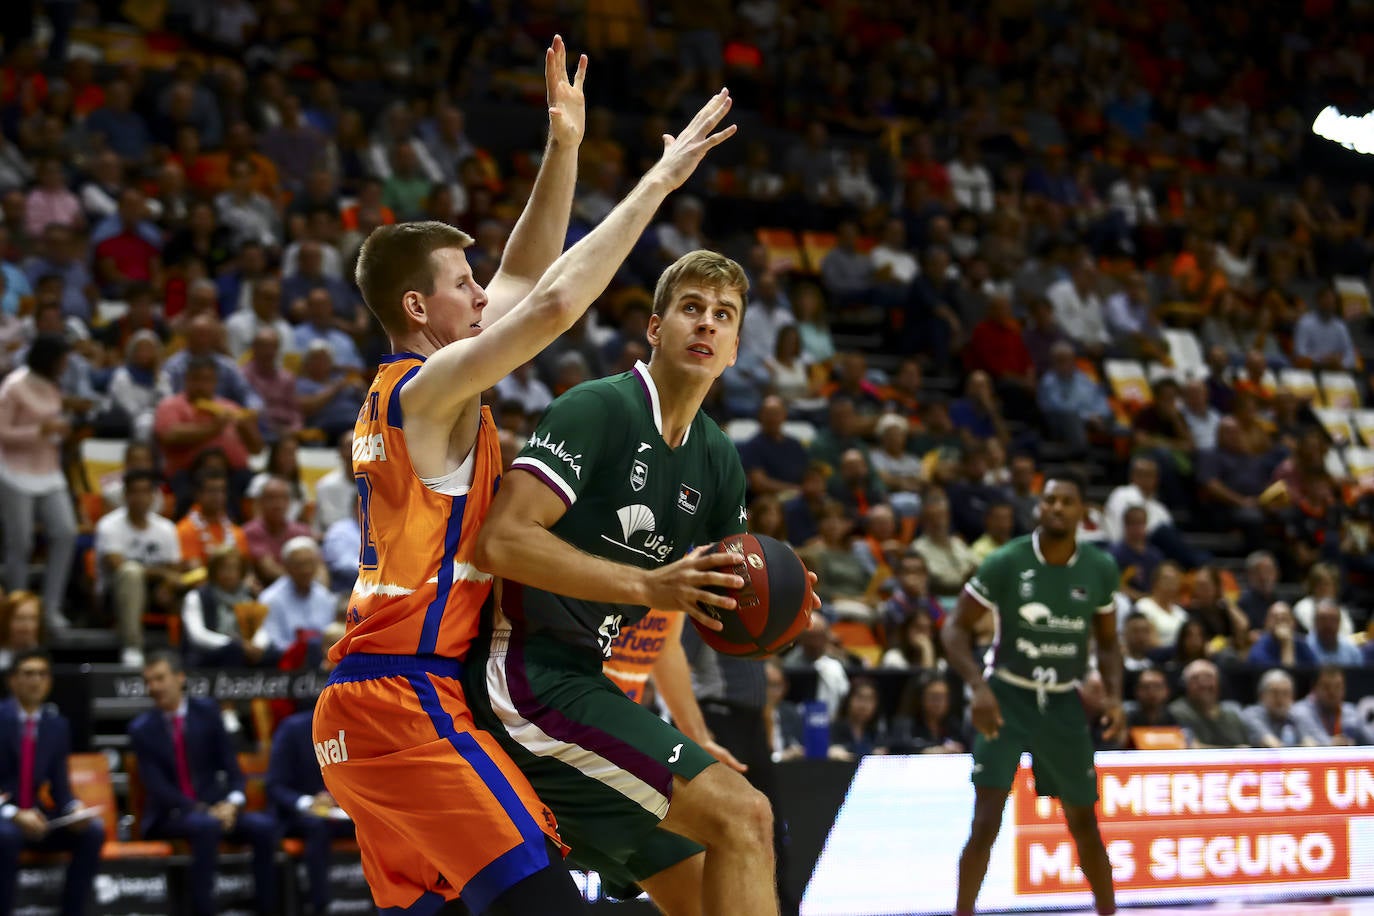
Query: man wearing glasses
35, 741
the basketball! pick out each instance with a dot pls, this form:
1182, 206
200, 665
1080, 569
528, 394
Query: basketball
772, 606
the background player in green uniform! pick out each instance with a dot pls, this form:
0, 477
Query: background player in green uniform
594, 524
1049, 594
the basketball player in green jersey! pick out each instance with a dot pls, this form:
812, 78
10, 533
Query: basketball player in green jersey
1050, 595
594, 524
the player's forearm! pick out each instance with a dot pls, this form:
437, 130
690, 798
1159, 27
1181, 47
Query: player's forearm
958, 643
580, 275
530, 554
1109, 666
673, 680
538, 236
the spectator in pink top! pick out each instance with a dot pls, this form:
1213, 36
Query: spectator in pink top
269, 531
274, 384
52, 201
32, 485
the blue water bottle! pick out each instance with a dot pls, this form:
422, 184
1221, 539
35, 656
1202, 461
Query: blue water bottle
816, 729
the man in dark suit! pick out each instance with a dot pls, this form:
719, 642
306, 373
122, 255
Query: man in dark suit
296, 790
194, 786
34, 744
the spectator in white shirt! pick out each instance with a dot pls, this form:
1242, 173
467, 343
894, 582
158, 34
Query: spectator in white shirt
299, 606
1131, 198
264, 312
1161, 606
970, 181
337, 491
769, 311
139, 561
1202, 418
209, 615
683, 234
813, 651
1323, 584
1321, 339
853, 183
1078, 308
524, 385
893, 262
1143, 490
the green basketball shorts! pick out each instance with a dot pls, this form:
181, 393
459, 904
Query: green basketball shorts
602, 763
1057, 736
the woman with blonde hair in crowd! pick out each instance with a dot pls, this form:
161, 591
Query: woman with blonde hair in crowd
21, 626
1323, 582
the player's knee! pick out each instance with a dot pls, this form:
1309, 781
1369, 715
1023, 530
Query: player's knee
1081, 820
756, 816
986, 825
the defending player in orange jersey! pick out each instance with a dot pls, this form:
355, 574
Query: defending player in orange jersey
441, 811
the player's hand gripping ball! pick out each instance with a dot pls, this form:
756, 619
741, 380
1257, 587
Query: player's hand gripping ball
773, 604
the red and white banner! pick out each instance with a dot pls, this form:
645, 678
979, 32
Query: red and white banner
1179, 826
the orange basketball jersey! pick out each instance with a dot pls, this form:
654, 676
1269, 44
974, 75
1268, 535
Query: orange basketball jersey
417, 591
635, 650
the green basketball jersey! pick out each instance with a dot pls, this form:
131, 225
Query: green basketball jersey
1044, 612
630, 497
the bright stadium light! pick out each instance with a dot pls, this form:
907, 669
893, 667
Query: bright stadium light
1353, 133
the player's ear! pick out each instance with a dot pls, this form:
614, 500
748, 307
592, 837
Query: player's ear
414, 305
652, 334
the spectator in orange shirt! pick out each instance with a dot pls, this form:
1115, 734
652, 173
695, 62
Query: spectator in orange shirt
207, 528
369, 199
239, 143
1199, 279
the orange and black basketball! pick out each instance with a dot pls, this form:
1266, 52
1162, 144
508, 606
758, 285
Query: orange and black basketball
772, 609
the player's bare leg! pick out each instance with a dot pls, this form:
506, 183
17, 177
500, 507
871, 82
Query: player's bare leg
1092, 855
733, 820
988, 805
677, 890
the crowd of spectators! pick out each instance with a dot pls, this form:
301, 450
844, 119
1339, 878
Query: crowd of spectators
991, 204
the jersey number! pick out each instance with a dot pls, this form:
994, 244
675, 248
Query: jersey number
367, 555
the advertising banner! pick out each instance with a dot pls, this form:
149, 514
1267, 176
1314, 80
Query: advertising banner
1180, 826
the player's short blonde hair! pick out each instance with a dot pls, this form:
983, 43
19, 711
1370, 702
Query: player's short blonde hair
707, 268
397, 259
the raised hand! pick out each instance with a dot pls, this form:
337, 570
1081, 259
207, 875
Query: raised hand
567, 107
683, 153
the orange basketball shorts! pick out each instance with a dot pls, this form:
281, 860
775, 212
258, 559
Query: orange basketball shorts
441, 811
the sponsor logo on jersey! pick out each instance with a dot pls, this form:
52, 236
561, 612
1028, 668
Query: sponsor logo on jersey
1040, 617
369, 448
743, 515
608, 633
639, 475
333, 750
1049, 650
559, 451
1078, 593
637, 524
688, 499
